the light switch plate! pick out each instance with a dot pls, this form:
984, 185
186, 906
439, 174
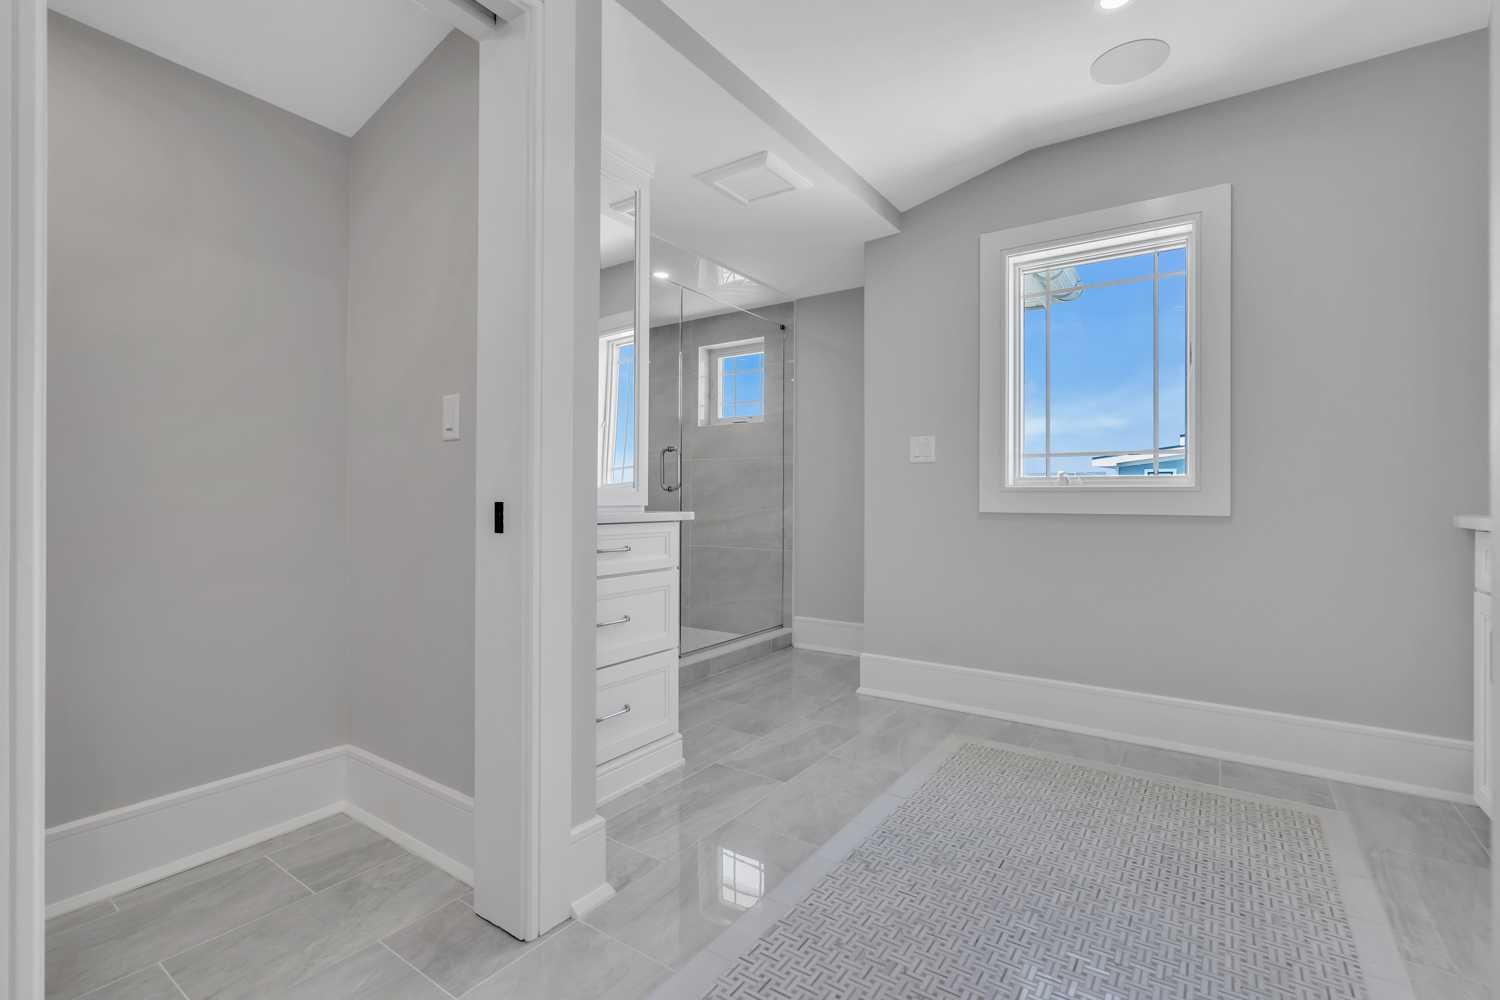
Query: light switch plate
924, 449
450, 418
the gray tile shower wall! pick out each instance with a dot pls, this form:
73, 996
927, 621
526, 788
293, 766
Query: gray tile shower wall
736, 478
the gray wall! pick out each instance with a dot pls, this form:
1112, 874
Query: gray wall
1339, 587
196, 409
830, 393
412, 294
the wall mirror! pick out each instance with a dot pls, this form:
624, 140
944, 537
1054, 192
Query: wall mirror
624, 288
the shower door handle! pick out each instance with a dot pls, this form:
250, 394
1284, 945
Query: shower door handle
670, 449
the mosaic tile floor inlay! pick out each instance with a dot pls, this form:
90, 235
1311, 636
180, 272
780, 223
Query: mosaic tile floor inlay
1013, 874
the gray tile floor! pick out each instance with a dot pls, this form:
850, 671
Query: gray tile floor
781, 754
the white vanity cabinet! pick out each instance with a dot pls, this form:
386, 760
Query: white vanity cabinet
636, 624
1484, 678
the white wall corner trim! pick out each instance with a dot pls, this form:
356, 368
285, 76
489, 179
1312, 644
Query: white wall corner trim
1433, 766
825, 635
590, 883
433, 821
110, 853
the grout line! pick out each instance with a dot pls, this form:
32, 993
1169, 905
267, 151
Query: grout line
174, 982
112, 982
541, 943
282, 868
1464, 822
254, 920
418, 971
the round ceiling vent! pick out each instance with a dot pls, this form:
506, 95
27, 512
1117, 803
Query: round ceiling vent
1131, 61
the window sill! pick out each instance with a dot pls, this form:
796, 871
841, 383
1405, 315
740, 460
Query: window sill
1160, 501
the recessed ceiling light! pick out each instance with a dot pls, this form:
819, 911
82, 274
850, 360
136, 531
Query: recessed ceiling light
661, 275
1130, 62
1112, 4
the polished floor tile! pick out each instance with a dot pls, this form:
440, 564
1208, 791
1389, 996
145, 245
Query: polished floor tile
818, 803
855, 711
709, 744
788, 751
372, 974
1478, 822
782, 754
81, 916
171, 884
622, 804
1277, 784
315, 933
901, 742
678, 907
752, 721
103, 950
576, 963
1079, 745
1402, 822
679, 816
981, 727
1187, 766
1439, 910
456, 948
321, 861
622, 864
1434, 984
148, 984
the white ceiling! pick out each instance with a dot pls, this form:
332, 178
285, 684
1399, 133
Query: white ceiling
919, 98
334, 62
663, 107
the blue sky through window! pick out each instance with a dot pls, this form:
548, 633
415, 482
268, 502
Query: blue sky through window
620, 469
742, 382
1091, 338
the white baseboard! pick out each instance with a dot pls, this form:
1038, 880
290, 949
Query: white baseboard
616, 777
1433, 766
433, 821
588, 869
825, 635
113, 852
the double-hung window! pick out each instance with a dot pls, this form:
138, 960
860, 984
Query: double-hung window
1105, 360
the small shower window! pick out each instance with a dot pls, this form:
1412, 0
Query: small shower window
732, 383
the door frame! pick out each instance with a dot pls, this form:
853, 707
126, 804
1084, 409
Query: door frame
24, 443
538, 847
530, 855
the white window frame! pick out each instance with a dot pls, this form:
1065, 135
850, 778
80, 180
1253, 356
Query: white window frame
611, 338
1202, 219
623, 164
711, 376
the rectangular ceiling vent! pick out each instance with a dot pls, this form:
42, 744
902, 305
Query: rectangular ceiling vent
755, 178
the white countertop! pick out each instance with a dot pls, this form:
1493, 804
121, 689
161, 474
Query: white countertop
642, 516
1473, 522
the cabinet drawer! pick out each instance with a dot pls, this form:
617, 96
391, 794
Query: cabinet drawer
1482, 574
635, 615
636, 703
636, 548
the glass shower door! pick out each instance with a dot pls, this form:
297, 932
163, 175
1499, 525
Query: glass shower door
721, 449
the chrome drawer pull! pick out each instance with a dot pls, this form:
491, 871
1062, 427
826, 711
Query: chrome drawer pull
612, 715
618, 621
622, 548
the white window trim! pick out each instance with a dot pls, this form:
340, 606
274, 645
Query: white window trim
710, 358
1207, 491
